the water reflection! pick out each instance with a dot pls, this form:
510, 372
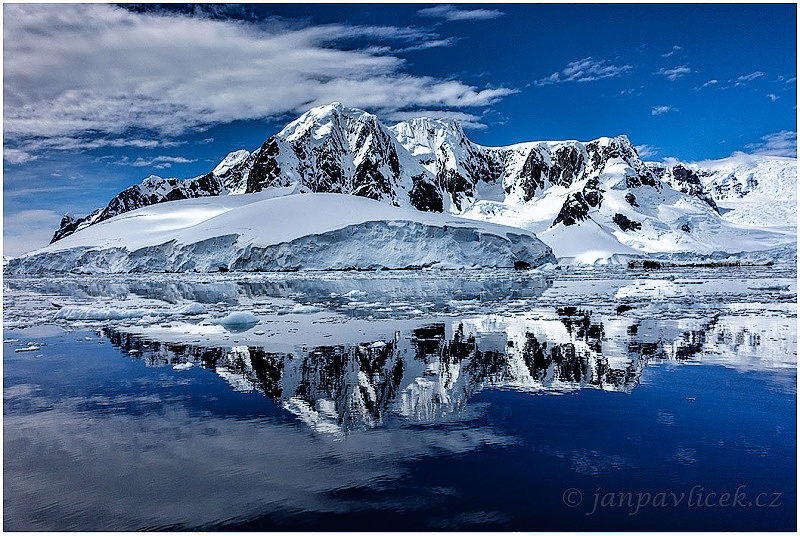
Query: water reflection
354, 294
429, 372
420, 419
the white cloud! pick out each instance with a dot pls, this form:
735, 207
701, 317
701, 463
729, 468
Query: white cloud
675, 72
434, 43
450, 12
772, 96
157, 162
675, 48
748, 77
658, 110
468, 121
783, 143
75, 69
26, 148
17, 156
646, 151
584, 70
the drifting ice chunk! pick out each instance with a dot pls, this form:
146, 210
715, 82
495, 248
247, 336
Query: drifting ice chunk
238, 318
193, 308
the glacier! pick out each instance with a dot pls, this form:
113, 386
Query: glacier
274, 231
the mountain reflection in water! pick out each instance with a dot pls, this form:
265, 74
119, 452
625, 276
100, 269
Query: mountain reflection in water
429, 372
408, 401
352, 294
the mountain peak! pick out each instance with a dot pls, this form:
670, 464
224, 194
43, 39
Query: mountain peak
320, 121
231, 159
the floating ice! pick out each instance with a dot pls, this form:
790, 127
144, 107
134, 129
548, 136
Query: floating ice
98, 313
238, 318
193, 308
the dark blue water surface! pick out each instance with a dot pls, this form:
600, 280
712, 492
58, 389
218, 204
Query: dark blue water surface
581, 421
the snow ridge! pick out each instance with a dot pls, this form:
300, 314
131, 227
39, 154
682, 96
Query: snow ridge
757, 191
588, 200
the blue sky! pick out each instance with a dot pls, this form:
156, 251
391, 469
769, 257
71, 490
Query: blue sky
97, 97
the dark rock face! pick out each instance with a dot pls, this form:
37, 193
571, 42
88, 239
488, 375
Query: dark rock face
724, 191
370, 178
455, 184
631, 199
149, 192
688, 182
534, 172
457, 164
685, 228
592, 193
574, 209
425, 196
265, 169
68, 226
567, 166
625, 223
620, 147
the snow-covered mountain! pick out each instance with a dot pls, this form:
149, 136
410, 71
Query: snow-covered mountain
151, 191
589, 200
335, 149
749, 190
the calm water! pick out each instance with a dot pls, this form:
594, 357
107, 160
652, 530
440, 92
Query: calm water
590, 400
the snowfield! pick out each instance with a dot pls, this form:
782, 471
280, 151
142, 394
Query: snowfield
421, 194
271, 230
757, 191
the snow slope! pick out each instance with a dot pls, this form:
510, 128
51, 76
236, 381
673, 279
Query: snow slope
273, 230
756, 191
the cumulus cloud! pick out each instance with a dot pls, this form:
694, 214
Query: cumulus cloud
73, 70
17, 156
584, 70
658, 110
783, 143
772, 96
454, 13
675, 72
